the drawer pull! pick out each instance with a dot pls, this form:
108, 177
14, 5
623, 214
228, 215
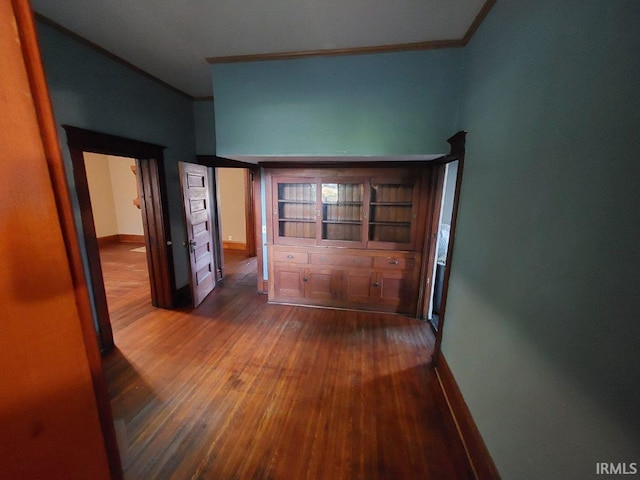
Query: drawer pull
394, 262
376, 284
289, 256
356, 260
305, 279
323, 258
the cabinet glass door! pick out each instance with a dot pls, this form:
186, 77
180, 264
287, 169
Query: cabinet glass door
296, 210
342, 207
391, 211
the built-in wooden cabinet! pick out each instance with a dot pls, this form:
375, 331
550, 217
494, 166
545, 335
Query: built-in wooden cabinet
347, 238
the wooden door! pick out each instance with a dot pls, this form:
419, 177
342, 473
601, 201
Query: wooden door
361, 287
198, 208
288, 282
396, 290
322, 283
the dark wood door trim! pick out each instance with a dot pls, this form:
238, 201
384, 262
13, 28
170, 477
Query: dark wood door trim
257, 228
253, 206
156, 228
249, 212
154, 206
429, 250
105, 332
457, 143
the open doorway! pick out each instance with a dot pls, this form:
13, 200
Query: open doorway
115, 202
155, 220
442, 242
237, 224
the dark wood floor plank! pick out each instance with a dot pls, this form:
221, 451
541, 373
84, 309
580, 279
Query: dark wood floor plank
241, 389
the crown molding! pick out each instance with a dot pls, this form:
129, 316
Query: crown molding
400, 47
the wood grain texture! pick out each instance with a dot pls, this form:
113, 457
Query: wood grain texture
49, 410
243, 389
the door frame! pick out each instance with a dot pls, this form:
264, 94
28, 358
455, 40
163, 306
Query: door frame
457, 152
154, 208
253, 207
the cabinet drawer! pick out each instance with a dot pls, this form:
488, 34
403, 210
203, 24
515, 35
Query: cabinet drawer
394, 263
291, 257
341, 260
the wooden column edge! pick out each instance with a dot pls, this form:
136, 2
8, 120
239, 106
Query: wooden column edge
476, 450
48, 132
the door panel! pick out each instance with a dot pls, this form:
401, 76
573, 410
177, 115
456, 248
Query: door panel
288, 282
200, 239
395, 289
322, 284
360, 287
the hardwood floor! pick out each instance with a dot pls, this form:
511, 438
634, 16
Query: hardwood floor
241, 389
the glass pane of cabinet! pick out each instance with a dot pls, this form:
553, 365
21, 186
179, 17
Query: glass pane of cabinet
296, 210
391, 212
342, 206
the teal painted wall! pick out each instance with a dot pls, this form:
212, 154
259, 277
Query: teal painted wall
205, 125
393, 103
91, 91
543, 314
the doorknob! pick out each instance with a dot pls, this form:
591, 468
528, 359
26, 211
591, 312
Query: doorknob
192, 246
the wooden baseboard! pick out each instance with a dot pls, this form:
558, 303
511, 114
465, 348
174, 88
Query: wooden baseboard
227, 245
475, 448
125, 238
120, 238
109, 239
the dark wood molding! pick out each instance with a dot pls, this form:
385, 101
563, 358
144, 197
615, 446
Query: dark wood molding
401, 47
430, 246
484, 11
155, 221
263, 286
457, 144
92, 249
335, 163
474, 446
214, 161
26, 29
97, 142
249, 208
152, 185
112, 56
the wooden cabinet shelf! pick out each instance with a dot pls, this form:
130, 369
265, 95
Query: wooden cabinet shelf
343, 222
346, 237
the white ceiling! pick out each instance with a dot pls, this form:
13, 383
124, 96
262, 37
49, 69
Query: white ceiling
171, 39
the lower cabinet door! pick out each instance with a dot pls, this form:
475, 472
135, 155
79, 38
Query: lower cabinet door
361, 287
322, 284
288, 282
396, 290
